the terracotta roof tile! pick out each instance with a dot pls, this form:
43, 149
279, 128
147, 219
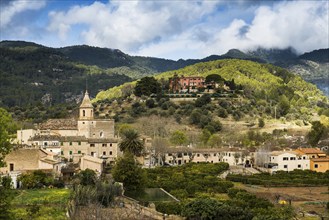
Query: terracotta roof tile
59, 124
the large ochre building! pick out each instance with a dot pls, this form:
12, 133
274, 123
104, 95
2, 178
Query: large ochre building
73, 138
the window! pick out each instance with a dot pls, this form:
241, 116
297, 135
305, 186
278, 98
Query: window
304, 158
299, 166
11, 167
83, 113
70, 143
285, 158
70, 152
62, 152
198, 155
316, 165
285, 166
185, 154
79, 151
104, 145
229, 154
104, 152
79, 143
110, 152
292, 158
110, 144
92, 145
62, 143
101, 134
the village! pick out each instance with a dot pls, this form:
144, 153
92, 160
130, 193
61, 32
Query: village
64, 147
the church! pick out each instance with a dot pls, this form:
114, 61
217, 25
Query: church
74, 138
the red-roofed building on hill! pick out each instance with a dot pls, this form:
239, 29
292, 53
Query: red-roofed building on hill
186, 84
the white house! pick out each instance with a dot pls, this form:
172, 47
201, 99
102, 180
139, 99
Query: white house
287, 161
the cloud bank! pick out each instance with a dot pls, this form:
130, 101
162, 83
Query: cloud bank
182, 29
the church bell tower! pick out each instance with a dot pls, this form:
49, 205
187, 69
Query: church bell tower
86, 110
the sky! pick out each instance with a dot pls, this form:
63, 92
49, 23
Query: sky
171, 29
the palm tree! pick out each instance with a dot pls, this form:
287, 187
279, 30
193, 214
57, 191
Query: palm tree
131, 142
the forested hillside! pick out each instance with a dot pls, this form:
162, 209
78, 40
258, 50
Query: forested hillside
31, 74
263, 84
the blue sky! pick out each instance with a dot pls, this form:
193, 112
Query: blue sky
170, 29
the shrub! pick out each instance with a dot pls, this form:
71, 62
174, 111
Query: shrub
170, 208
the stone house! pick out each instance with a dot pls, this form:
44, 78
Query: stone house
73, 138
24, 160
232, 156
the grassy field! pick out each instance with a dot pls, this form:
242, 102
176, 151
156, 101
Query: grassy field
41, 204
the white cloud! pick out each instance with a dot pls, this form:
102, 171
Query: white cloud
191, 29
300, 24
9, 11
130, 25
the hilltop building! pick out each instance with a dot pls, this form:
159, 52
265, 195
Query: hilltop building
185, 84
74, 138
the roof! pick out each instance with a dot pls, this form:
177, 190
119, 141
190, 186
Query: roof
50, 161
326, 159
86, 103
59, 124
102, 140
202, 150
73, 138
45, 138
310, 150
277, 153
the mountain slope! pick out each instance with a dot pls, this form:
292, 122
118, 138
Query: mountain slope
31, 73
262, 83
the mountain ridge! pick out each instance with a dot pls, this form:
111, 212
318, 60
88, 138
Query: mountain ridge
81, 63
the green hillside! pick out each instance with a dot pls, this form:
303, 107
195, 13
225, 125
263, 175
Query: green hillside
31, 74
263, 84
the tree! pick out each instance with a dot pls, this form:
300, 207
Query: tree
7, 127
6, 197
36, 179
214, 78
215, 140
129, 172
131, 142
316, 133
87, 177
203, 100
201, 208
261, 123
147, 86
283, 105
205, 135
159, 145
178, 138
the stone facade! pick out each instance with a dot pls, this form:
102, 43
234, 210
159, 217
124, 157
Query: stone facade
232, 156
73, 138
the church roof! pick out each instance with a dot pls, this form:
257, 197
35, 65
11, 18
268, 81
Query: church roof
86, 103
59, 124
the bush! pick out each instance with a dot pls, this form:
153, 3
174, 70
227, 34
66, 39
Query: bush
170, 208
